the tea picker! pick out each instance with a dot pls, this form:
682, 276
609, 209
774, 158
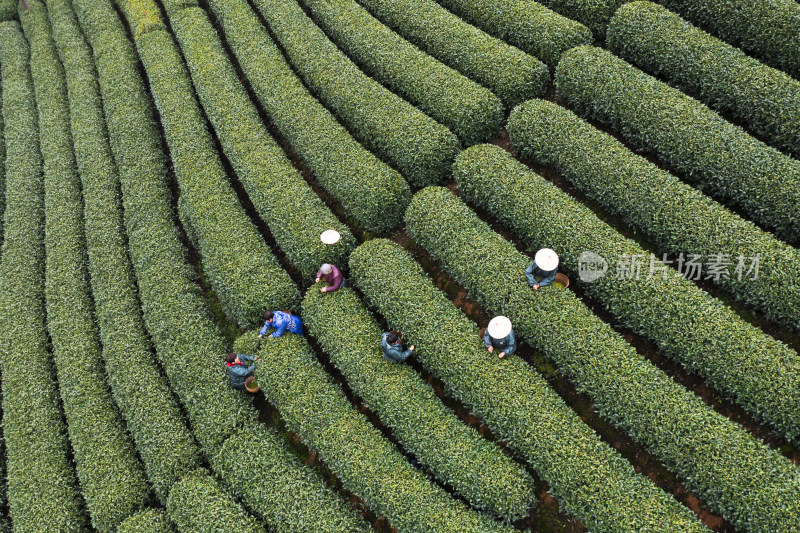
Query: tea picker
327, 272
281, 321
237, 371
500, 336
393, 349
543, 266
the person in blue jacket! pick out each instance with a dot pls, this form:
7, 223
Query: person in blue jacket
544, 266
236, 369
281, 321
499, 336
393, 350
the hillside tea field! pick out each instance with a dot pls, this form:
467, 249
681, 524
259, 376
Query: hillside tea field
170, 170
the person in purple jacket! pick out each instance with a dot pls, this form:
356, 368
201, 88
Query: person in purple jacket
332, 275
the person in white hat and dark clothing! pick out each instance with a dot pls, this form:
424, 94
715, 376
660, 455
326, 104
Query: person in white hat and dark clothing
543, 266
499, 336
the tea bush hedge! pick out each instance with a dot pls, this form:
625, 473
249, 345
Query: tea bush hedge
768, 30
243, 271
590, 480
453, 451
370, 191
198, 503
3, 175
507, 71
188, 345
525, 24
471, 111
368, 464
689, 137
750, 367
420, 148
294, 213
148, 405
286, 494
714, 72
677, 217
41, 481
8, 10
147, 521
111, 477
595, 14
712, 455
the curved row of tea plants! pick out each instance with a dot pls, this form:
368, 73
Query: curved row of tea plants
755, 370
188, 344
713, 456
287, 495
198, 503
723, 77
420, 148
142, 394
591, 481
525, 24
507, 71
689, 137
677, 217
111, 476
471, 111
294, 213
370, 191
8, 10
367, 463
3, 173
147, 521
243, 271
173, 308
41, 481
767, 30
454, 452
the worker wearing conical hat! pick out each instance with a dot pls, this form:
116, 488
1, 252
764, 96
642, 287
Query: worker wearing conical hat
499, 336
544, 266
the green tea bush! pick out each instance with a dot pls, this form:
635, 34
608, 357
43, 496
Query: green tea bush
286, 494
769, 30
689, 137
712, 71
525, 24
368, 465
294, 213
148, 405
188, 344
198, 503
712, 455
111, 477
243, 271
8, 10
470, 111
453, 451
370, 191
590, 479
147, 521
42, 489
595, 14
400, 134
675, 216
507, 71
736, 358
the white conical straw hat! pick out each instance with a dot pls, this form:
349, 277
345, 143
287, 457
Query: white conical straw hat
546, 259
499, 327
329, 236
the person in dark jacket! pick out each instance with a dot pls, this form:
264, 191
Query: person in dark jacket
499, 336
393, 350
544, 266
236, 369
281, 321
332, 275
